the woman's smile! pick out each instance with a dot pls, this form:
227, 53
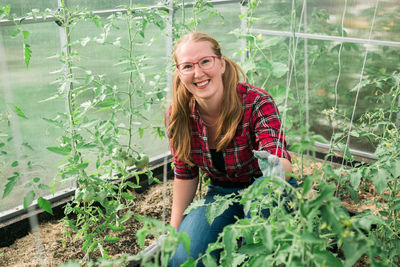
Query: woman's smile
202, 84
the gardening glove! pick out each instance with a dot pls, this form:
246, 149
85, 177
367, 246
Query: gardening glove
152, 249
270, 166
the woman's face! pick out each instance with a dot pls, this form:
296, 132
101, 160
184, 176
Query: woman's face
203, 84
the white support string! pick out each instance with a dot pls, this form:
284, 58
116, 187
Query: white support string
339, 72
291, 65
164, 193
359, 83
306, 100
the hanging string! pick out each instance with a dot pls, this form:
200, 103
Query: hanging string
293, 43
164, 193
359, 83
306, 100
339, 73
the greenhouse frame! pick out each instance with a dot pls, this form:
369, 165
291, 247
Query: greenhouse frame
85, 90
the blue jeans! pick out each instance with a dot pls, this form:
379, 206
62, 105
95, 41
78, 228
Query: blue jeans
201, 233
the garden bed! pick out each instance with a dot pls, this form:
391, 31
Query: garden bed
22, 252
149, 203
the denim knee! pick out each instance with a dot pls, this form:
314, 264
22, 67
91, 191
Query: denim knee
201, 233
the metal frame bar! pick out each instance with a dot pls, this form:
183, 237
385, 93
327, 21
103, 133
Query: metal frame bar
326, 37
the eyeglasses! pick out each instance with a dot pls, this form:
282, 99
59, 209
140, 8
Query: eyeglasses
204, 63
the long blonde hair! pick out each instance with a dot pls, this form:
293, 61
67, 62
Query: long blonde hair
179, 127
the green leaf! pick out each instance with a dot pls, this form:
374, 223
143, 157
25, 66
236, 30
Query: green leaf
45, 205
132, 185
92, 246
209, 261
380, 180
353, 194
194, 205
141, 236
229, 240
218, 207
395, 205
18, 111
15, 33
355, 179
44, 187
326, 258
278, 69
320, 138
185, 240
366, 221
127, 196
307, 185
12, 181
82, 166
116, 228
308, 237
25, 34
36, 179
26, 144
54, 122
112, 239
106, 103
354, 133
62, 150
190, 262
27, 54
353, 250
395, 168
14, 164
252, 249
28, 199
141, 132
346, 152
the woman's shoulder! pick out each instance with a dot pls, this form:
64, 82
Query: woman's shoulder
251, 93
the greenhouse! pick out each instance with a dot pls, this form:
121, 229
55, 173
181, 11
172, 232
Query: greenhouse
200, 133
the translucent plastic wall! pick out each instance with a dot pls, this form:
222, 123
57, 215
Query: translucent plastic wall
27, 101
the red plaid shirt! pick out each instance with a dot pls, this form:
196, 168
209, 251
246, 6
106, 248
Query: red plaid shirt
259, 130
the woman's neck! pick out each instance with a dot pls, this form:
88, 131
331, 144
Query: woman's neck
209, 107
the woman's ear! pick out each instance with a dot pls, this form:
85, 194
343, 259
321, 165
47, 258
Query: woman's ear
223, 64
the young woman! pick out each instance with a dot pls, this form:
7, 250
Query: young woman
214, 123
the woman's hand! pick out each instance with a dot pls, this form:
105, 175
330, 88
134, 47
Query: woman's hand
287, 167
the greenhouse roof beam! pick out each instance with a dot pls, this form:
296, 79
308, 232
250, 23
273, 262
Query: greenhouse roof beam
326, 37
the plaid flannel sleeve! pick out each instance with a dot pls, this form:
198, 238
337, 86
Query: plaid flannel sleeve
268, 128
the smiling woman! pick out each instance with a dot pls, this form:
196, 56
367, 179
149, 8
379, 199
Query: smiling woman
215, 124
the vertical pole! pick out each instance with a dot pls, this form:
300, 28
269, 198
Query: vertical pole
63, 32
168, 49
169, 41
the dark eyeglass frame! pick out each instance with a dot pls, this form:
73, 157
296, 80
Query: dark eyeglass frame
194, 63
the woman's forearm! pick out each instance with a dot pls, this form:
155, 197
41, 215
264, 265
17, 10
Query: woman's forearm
183, 194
